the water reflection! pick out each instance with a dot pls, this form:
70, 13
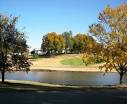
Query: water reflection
68, 78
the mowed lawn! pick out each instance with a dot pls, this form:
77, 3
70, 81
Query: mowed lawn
74, 61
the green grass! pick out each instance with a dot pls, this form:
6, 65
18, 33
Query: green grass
73, 61
28, 86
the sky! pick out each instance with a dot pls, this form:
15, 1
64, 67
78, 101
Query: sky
38, 17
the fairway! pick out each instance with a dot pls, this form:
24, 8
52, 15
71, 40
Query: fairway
73, 61
61, 61
65, 62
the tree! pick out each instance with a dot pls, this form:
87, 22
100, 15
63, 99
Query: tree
111, 33
68, 40
92, 53
13, 47
61, 44
81, 42
52, 43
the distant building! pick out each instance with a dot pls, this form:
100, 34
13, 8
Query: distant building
38, 52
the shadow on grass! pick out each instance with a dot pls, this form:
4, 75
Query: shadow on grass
16, 93
10, 87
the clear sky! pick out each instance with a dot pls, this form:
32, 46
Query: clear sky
42, 16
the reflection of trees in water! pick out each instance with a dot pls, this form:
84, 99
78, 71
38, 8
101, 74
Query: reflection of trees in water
69, 78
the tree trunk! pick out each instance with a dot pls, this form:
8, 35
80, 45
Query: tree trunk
3, 74
3, 68
121, 77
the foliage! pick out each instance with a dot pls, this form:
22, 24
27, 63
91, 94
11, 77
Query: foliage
91, 59
52, 43
81, 43
13, 47
111, 33
68, 40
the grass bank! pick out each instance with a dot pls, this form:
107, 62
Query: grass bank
16, 85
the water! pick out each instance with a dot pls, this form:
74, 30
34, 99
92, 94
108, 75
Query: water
67, 78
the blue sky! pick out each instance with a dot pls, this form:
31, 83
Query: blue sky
42, 16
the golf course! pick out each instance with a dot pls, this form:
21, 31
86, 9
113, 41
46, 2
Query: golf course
64, 62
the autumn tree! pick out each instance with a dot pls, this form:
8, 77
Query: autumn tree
111, 32
55, 43
81, 42
61, 43
92, 55
13, 47
52, 43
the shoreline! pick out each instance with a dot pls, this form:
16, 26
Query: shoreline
64, 69
32, 84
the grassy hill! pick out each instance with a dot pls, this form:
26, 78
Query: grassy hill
61, 61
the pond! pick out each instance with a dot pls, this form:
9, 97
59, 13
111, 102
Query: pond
67, 78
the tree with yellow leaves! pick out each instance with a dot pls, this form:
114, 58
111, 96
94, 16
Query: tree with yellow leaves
81, 42
53, 43
111, 33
